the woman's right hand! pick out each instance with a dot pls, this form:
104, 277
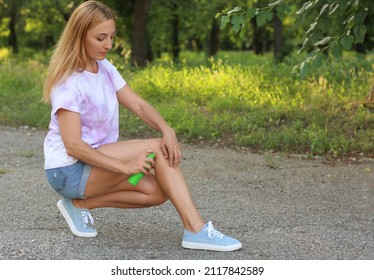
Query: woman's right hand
141, 163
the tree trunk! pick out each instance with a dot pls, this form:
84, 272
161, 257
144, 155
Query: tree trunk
175, 30
140, 49
257, 38
12, 40
278, 37
214, 43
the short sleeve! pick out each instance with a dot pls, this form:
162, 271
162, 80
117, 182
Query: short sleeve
66, 96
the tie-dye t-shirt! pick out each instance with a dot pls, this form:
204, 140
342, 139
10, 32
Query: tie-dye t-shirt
94, 97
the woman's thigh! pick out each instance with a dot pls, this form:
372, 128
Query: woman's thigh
102, 181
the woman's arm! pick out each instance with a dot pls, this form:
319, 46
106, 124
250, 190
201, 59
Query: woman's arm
133, 102
70, 129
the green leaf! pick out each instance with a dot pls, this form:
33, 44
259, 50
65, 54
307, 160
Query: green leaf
360, 32
237, 22
324, 25
343, 3
294, 70
303, 69
282, 9
305, 7
224, 21
251, 13
349, 20
236, 28
275, 3
313, 54
315, 37
311, 28
323, 9
333, 8
269, 16
260, 20
235, 10
337, 49
263, 17
317, 60
347, 42
360, 17
304, 45
323, 41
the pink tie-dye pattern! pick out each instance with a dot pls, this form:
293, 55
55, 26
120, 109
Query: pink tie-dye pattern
94, 97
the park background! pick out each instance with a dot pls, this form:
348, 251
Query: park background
220, 75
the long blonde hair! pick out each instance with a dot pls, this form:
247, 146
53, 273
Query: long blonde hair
69, 54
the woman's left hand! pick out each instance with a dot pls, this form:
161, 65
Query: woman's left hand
171, 148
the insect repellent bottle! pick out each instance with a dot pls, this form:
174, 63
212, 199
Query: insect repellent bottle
134, 179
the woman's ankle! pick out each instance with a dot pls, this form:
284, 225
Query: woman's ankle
79, 203
194, 226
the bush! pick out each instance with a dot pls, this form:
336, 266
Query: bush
249, 101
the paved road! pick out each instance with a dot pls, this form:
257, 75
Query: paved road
304, 209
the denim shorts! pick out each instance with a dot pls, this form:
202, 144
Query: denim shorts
69, 181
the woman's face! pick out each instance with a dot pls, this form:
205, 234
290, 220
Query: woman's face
98, 40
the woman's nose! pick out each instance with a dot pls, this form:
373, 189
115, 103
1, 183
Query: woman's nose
108, 44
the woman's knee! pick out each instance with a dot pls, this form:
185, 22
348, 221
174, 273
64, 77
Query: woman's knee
155, 144
154, 195
155, 199
158, 199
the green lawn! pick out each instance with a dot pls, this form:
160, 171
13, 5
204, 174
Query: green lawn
236, 98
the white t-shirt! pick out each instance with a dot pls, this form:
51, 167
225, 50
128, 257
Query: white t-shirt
94, 97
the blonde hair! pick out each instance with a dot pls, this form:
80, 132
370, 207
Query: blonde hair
69, 54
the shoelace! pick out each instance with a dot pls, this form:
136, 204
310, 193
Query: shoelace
86, 215
212, 232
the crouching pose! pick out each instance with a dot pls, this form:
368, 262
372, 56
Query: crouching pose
84, 161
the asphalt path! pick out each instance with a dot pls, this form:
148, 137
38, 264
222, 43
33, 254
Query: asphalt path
281, 208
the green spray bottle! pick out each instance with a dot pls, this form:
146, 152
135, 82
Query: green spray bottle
134, 179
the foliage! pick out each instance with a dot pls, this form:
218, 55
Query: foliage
20, 93
39, 23
354, 23
236, 99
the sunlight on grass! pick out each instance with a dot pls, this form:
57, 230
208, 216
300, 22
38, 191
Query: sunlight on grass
246, 100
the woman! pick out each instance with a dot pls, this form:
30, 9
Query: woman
84, 162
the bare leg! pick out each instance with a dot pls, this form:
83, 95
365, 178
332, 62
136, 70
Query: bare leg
110, 189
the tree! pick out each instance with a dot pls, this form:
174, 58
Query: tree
214, 42
44, 21
355, 25
33, 24
141, 52
11, 10
175, 29
13, 42
278, 36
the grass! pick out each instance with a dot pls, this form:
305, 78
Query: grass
20, 93
237, 98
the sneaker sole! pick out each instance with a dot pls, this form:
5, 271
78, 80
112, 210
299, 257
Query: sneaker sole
70, 222
210, 247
